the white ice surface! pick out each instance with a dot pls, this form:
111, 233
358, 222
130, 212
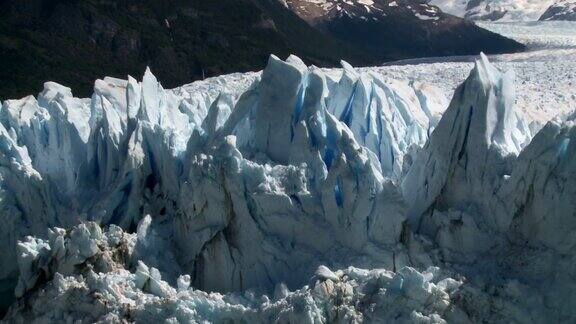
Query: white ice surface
545, 84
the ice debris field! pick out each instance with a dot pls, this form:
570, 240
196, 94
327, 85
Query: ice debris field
295, 195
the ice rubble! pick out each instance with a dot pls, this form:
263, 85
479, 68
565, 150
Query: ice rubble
89, 267
251, 192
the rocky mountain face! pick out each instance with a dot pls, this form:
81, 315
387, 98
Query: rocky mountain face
509, 10
501, 10
74, 42
399, 29
561, 10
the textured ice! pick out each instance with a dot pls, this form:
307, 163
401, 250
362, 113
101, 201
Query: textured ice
88, 266
545, 86
535, 35
240, 201
208, 163
477, 138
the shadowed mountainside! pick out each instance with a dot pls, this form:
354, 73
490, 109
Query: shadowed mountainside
73, 42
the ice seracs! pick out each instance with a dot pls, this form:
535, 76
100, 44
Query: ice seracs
549, 164
266, 201
298, 183
135, 149
472, 146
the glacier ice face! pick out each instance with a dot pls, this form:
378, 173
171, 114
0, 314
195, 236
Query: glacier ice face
495, 200
276, 161
550, 166
239, 193
297, 190
472, 149
88, 266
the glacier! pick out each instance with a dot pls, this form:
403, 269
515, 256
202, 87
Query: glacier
290, 195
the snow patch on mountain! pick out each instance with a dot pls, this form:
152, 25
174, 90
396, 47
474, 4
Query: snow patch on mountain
313, 10
561, 10
501, 10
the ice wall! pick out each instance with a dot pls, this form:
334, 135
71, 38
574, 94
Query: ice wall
254, 193
293, 167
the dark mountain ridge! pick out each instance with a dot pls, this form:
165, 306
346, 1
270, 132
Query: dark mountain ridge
74, 42
400, 29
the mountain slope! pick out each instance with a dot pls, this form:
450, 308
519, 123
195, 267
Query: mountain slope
74, 42
561, 10
503, 10
399, 29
